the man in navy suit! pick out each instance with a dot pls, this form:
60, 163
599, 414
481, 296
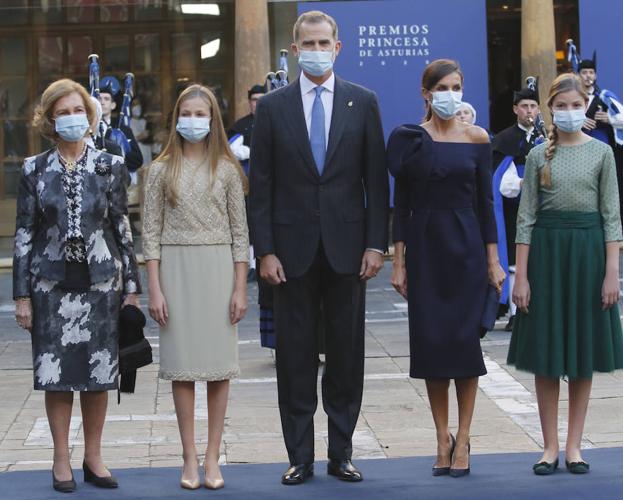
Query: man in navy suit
319, 215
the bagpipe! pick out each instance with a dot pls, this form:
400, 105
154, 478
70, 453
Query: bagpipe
94, 90
612, 103
278, 79
116, 134
573, 56
532, 83
95, 84
274, 80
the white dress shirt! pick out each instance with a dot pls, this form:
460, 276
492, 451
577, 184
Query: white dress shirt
527, 130
308, 94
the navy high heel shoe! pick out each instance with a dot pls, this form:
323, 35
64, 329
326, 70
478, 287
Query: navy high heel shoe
443, 471
462, 472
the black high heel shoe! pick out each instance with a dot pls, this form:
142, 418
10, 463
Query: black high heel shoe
462, 472
100, 482
545, 468
443, 471
64, 486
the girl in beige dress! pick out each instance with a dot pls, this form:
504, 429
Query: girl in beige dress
196, 249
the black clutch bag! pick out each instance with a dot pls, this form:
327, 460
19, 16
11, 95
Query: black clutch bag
490, 311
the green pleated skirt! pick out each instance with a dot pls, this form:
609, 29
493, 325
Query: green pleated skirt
566, 332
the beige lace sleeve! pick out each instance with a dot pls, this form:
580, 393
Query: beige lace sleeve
236, 210
153, 212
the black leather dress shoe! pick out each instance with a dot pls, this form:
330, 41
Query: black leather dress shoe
344, 470
63, 486
100, 482
297, 474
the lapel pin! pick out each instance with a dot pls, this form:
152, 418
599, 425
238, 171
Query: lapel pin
350, 104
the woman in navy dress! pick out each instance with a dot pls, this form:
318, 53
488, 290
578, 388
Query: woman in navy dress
445, 252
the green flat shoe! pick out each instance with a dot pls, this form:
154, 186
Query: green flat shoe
545, 468
577, 467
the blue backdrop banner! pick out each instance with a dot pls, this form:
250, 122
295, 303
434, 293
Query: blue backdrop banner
601, 22
387, 43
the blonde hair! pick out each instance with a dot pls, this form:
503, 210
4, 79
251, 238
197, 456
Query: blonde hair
566, 82
313, 17
216, 144
43, 120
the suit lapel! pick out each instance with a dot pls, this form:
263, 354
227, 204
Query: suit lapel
295, 117
341, 100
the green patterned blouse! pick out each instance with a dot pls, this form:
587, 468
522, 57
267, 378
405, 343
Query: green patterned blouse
584, 179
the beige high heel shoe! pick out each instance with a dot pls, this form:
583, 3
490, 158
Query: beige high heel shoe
213, 484
190, 484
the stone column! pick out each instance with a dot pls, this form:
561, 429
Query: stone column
538, 46
252, 50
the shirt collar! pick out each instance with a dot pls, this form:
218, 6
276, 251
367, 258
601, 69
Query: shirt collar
307, 85
526, 130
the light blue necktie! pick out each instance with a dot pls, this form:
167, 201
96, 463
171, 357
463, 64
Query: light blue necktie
317, 138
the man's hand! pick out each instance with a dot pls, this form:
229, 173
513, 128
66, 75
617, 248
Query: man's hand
590, 124
271, 269
371, 264
601, 116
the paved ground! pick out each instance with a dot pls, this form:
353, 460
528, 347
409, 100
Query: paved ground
395, 418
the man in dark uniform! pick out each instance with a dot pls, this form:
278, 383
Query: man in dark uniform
510, 148
239, 141
599, 124
244, 126
133, 158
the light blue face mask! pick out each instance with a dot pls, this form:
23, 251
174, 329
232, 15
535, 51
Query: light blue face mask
193, 128
316, 62
71, 128
446, 103
569, 121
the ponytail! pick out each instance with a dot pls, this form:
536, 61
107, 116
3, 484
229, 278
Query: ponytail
429, 111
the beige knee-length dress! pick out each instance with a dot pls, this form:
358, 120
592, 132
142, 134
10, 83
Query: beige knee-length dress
197, 242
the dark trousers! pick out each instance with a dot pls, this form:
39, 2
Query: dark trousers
297, 305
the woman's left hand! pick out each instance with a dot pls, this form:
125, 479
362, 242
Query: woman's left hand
610, 291
496, 276
131, 299
238, 305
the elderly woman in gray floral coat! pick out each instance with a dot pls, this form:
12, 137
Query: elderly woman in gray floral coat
73, 263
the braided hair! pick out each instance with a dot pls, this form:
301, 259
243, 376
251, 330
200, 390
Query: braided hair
546, 171
563, 83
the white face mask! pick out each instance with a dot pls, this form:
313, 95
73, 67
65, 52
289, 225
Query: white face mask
136, 111
569, 120
71, 128
446, 103
193, 128
316, 62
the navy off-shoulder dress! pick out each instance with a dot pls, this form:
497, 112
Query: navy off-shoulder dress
444, 214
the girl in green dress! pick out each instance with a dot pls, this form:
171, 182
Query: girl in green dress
567, 281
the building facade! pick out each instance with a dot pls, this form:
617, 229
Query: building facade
166, 44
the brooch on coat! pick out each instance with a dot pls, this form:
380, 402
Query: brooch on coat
102, 167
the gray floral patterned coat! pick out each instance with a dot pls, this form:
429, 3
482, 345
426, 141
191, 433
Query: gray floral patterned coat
41, 224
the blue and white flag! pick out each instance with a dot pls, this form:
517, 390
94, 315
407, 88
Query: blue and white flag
615, 113
572, 55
